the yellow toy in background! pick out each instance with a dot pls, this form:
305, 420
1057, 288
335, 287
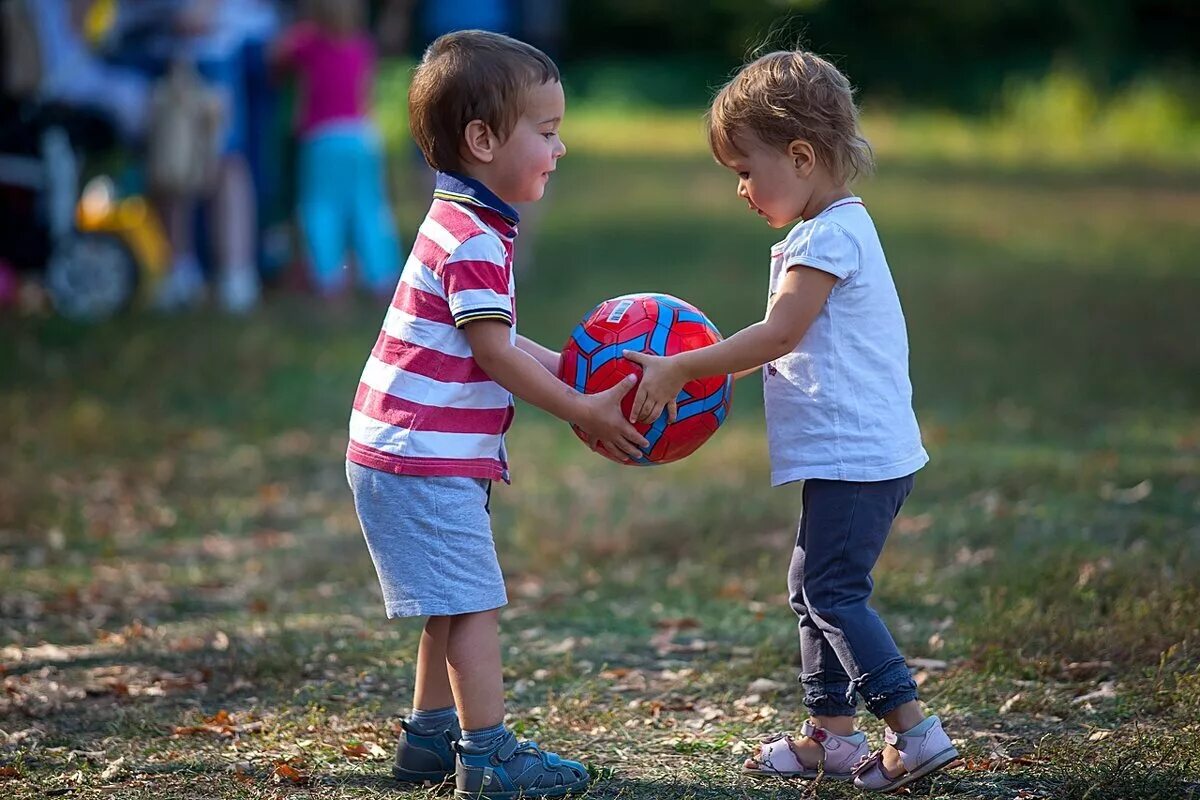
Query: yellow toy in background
117, 254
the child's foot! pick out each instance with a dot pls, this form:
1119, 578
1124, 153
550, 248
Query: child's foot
422, 758
516, 769
815, 752
906, 757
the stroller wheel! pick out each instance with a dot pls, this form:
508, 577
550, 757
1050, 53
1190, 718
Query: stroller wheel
91, 276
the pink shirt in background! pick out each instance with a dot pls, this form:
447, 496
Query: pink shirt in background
335, 75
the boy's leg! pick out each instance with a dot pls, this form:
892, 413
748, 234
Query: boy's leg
475, 673
848, 525
492, 764
432, 687
425, 751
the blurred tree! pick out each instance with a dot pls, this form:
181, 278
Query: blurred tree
927, 51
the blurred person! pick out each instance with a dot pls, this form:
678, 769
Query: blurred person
342, 202
208, 34
436, 397
71, 74
833, 351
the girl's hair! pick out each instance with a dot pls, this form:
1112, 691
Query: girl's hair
789, 95
340, 17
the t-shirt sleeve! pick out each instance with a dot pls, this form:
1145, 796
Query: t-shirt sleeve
822, 245
476, 281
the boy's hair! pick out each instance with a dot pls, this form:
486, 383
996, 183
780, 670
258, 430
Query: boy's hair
470, 75
789, 95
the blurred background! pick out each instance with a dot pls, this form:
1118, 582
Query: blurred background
203, 209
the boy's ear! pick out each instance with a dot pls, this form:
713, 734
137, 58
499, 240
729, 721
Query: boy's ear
479, 141
803, 157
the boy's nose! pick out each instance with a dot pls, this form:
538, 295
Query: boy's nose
562, 149
741, 191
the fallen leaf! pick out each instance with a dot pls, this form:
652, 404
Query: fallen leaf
356, 750
9, 772
112, 770
286, 773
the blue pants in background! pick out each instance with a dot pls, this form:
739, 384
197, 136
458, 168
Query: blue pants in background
343, 206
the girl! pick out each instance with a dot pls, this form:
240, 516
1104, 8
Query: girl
341, 174
838, 405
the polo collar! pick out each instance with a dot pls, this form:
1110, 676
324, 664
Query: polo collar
459, 188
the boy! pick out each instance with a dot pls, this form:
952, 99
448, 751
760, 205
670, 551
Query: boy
426, 432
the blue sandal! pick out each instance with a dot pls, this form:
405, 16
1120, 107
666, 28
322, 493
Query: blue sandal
425, 759
516, 769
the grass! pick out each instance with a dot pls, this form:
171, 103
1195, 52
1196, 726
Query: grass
186, 609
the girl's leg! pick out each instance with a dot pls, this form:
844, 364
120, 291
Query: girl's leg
822, 675
848, 525
323, 178
376, 247
826, 684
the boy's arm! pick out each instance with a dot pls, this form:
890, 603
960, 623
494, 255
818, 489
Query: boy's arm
802, 293
544, 355
521, 373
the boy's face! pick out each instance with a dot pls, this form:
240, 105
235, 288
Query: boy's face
769, 181
523, 163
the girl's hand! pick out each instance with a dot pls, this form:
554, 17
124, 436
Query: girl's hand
662, 379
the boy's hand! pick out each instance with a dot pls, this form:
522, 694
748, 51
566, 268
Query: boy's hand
662, 379
607, 427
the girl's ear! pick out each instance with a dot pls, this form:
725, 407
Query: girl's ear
803, 157
479, 142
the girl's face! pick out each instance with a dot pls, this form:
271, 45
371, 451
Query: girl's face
776, 183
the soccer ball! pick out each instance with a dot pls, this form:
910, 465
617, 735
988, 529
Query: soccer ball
651, 323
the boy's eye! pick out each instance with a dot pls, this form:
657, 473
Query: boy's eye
743, 175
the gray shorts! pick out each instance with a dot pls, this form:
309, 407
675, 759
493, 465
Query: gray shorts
431, 541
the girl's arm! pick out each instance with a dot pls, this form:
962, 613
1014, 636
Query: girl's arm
802, 293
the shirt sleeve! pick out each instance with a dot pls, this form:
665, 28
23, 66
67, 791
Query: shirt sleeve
476, 280
822, 245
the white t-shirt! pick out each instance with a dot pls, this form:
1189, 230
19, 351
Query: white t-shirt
839, 406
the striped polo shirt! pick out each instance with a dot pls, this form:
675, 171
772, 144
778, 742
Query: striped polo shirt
423, 406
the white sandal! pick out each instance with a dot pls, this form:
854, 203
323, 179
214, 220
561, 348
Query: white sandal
777, 758
920, 755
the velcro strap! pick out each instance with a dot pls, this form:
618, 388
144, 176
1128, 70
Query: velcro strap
505, 751
818, 735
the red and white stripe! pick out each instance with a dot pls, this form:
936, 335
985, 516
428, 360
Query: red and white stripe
423, 406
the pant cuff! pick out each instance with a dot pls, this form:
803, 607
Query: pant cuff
827, 700
890, 689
